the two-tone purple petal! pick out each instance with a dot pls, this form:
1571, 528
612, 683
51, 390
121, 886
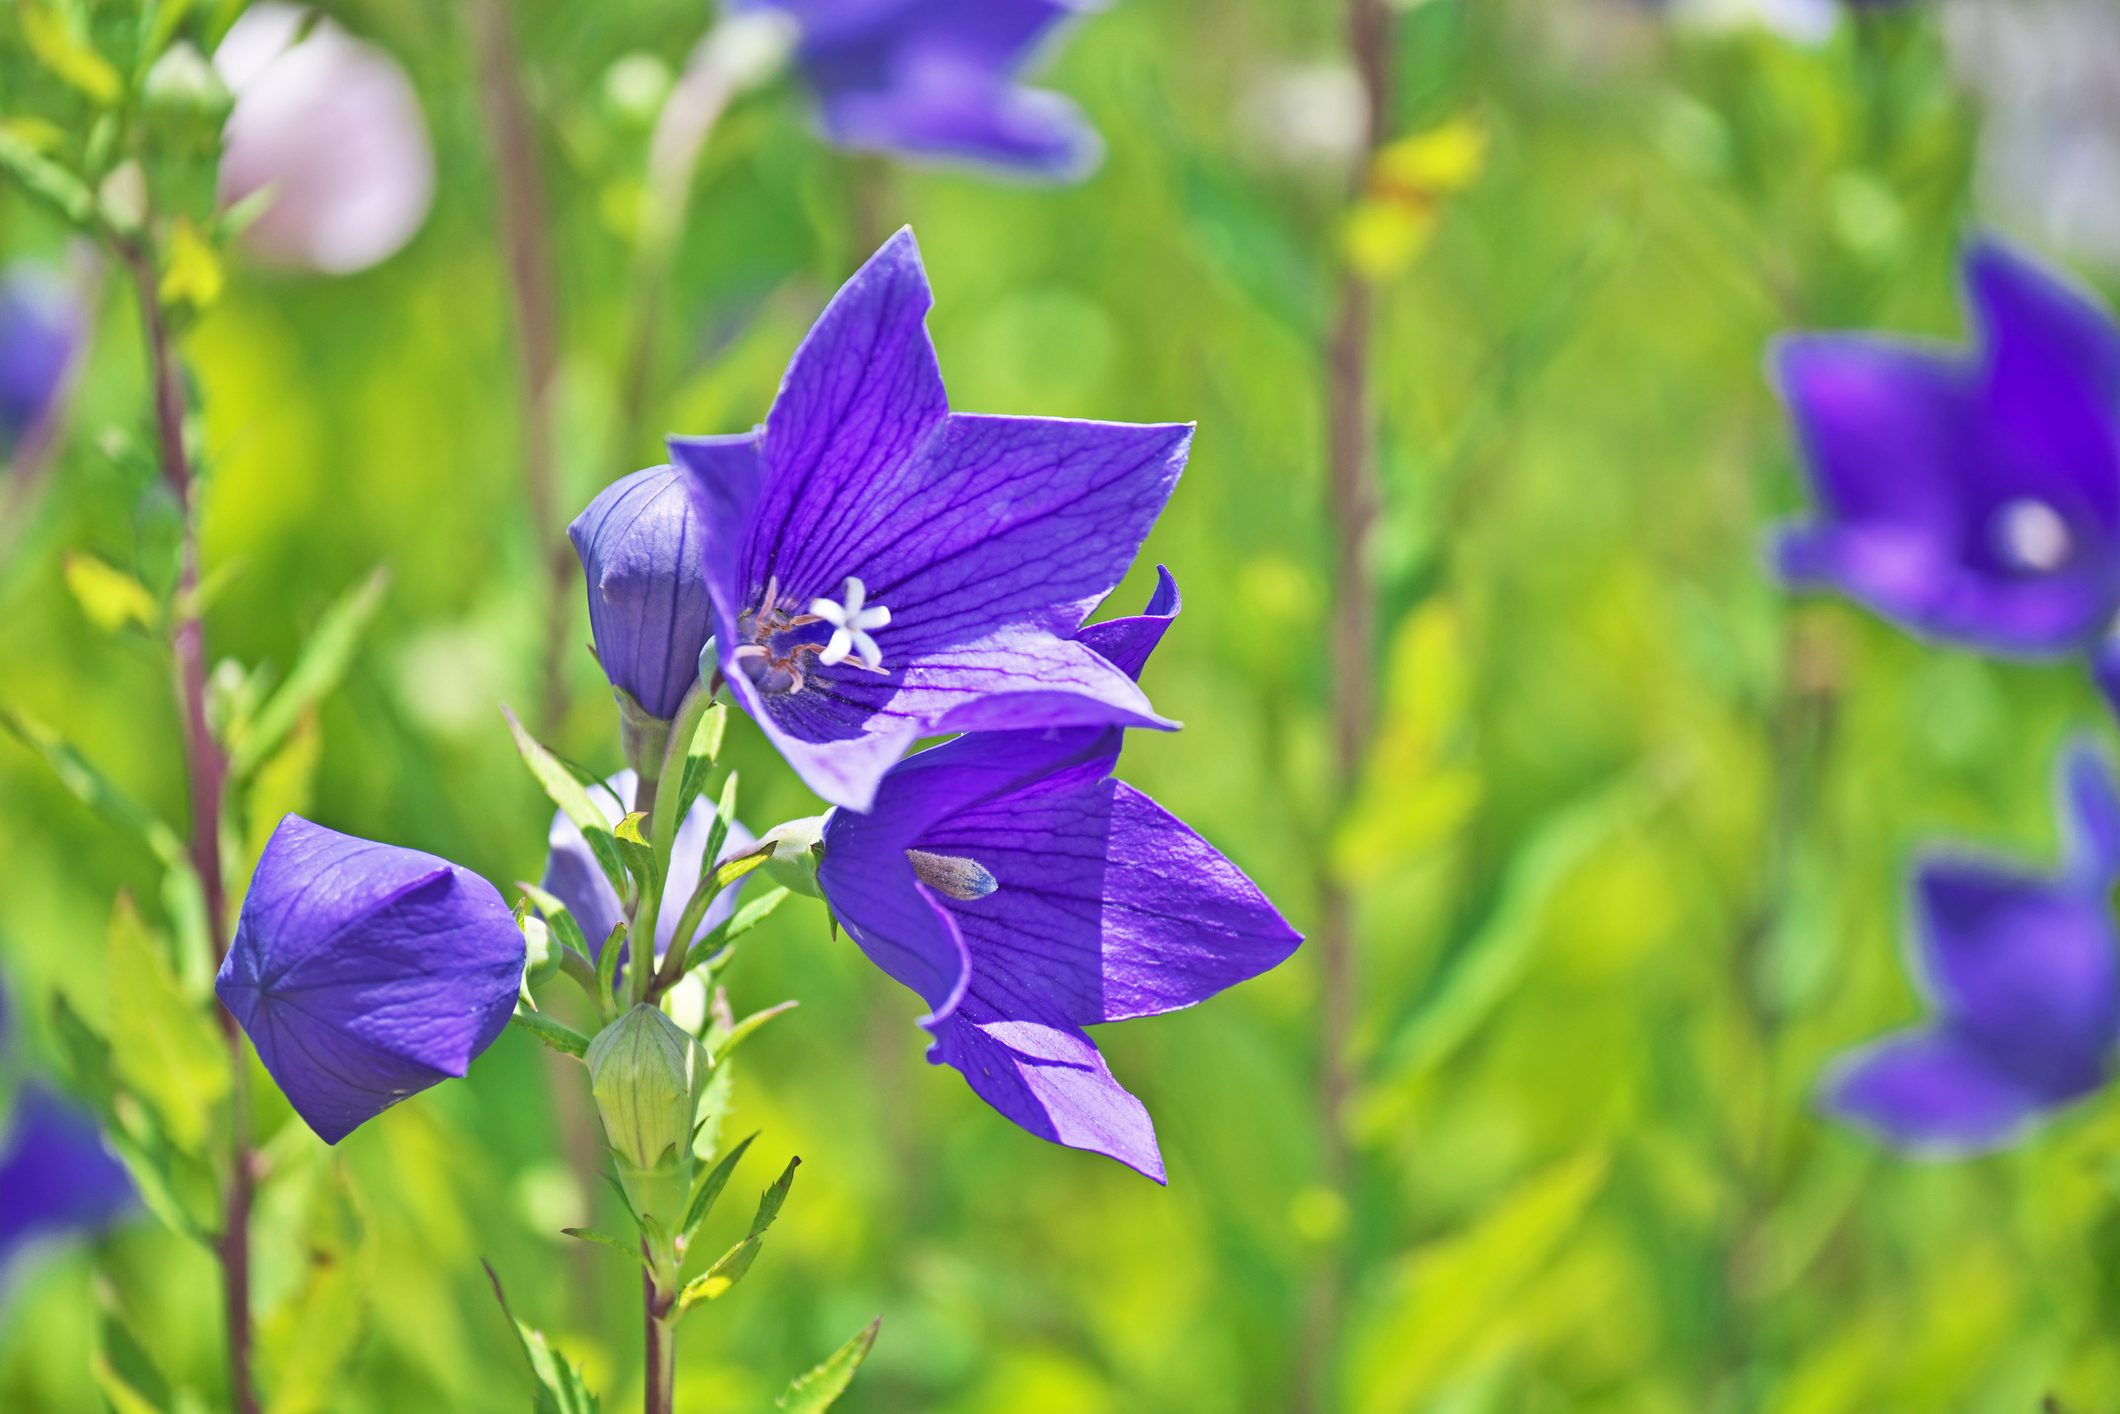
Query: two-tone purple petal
1025, 895
940, 80
2023, 978
364, 973
963, 551
1973, 498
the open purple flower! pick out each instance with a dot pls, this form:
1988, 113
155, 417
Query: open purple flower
938, 79
572, 874
639, 543
2023, 978
40, 332
56, 1174
1025, 894
365, 973
883, 569
1974, 498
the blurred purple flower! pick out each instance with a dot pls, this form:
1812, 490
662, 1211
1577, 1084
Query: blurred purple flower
365, 973
40, 334
882, 568
1025, 894
938, 79
332, 126
2022, 973
56, 1174
572, 875
639, 543
1973, 497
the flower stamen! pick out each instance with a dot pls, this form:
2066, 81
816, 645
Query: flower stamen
851, 624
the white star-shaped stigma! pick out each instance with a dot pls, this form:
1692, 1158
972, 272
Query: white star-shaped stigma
850, 627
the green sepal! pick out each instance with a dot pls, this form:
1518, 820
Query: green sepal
742, 1029
560, 1037
710, 1187
818, 1390
735, 926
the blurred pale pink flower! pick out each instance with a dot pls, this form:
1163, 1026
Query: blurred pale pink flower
332, 126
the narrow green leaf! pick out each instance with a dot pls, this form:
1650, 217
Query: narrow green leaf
41, 177
730, 1268
560, 1388
605, 1239
110, 598
557, 918
711, 1186
316, 673
641, 858
94, 789
724, 812
748, 1025
705, 748
820, 1389
753, 913
562, 1038
162, 1046
607, 961
123, 1371
572, 797
730, 870
66, 53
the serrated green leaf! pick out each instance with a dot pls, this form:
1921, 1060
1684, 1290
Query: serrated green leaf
605, 1239
560, 1388
566, 791
163, 1047
818, 1390
745, 1027
559, 1036
110, 598
732, 1265
710, 1187
317, 671
739, 923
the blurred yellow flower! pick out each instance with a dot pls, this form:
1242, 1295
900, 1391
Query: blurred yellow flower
1396, 217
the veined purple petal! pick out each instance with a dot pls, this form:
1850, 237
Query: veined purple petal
1051, 1080
1932, 1092
641, 543
365, 973
869, 884
56, 1173
573, 875
723, 476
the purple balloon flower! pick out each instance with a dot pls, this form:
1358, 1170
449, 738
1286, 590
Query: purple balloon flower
40, 332
573, 876
937, 79
1973, 498
883, 569
1025, 894
56, 1174
639, 543
2023, 978
365, 973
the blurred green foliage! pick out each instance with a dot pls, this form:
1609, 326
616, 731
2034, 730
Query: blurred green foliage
1628, 851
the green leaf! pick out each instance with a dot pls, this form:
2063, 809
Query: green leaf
306, 1342
731, 1266
560, 1388
94, 789
67, 54
710, 1187
730, 870
820, 1389
607, 961
700, 756
316, 673
560, 1037
640, 857
724, 812
163, 1047
605, 1239
44, 178
109, 597
748, 1025
284, 784
739, 923
124, 1373
572, 797
557, 918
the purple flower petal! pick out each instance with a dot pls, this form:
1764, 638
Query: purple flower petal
1050, 1080
640, 543
365, 973
1933, 1093
2091, 809
2037, 326
40, 335
573, 875
56, 1173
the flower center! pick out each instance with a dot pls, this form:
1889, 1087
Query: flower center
952, 875
773, 646
2032, 535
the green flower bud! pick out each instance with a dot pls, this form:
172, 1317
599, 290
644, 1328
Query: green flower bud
183, 84
648, 1076
540, 951
798, 848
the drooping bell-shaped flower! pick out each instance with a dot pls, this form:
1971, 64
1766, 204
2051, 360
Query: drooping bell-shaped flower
332, 126
365, 973
640, 543
40, 333
2022, 975
883, 569
939, 80
1973, 498
1025, 895
573, 877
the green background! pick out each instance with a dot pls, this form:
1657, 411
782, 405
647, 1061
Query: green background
1628, 849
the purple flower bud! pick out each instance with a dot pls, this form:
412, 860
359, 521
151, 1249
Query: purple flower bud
642, 549
365, 973
40, 333
332, 126
572, 874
